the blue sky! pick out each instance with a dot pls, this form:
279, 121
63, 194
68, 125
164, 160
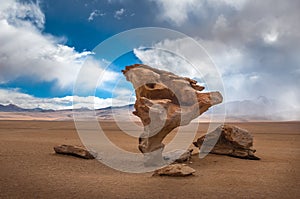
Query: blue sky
44, 44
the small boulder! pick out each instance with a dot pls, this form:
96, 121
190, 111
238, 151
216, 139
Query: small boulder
73, 151
231, 141
179, 156
176, 170
195, 151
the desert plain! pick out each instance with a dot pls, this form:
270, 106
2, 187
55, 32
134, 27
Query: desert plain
29, 168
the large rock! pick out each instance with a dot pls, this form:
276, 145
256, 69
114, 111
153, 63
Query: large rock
73, 151
174, 170
164, 101
231, 140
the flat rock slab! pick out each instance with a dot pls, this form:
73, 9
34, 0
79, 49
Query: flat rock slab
73, 151
175, 170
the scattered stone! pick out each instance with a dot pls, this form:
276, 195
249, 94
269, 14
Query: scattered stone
179, 156
231, 140
195, 151
175, 170
74, 151
165, 101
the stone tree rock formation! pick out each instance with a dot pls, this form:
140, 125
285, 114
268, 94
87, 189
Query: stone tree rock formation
164, 101
231, 141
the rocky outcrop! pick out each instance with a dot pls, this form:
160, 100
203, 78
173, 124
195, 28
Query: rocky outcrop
73, 151
175, 170
164, 101
231, 140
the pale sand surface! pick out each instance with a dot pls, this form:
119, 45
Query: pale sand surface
30, 169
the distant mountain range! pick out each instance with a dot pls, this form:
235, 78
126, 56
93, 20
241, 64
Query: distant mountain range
260, 108
13, 112
14, 108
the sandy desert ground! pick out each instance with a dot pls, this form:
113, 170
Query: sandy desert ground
30, 169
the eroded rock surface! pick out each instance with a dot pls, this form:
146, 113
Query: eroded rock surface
73, 151
175, 170
231, 140
165, 101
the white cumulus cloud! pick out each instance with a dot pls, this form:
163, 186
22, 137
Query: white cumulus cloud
26, 51
94, 14
119, 13
58, 103
178, 12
